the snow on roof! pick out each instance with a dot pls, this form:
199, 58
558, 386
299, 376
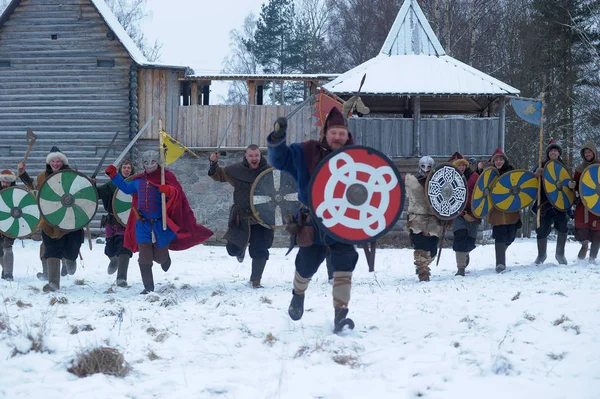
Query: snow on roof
418, 74
261, 76
114, 25
130, 46
412, 61
411, 33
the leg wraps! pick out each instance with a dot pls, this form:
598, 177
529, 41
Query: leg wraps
342, 285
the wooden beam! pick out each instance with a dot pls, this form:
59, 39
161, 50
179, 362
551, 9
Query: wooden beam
251, 92
206, 94
417, 126
502, 121
313, 85
194, 95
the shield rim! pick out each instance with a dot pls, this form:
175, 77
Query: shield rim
567, 187
317, 220
253, 209
39, 219
583, 201
56, 174
464, 205
498, 179
112, 205
489, 186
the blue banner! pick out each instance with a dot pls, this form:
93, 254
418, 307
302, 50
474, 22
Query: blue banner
528, 110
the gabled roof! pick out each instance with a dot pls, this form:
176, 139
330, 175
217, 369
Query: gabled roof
411, 33
113, 24
413, 62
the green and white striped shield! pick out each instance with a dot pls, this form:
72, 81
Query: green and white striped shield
19, 213
121, 205
68, 200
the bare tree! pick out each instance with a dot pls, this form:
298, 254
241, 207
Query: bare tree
240, 60
131, 13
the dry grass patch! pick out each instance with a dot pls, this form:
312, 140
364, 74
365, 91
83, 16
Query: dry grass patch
556, 356
83, 327
22, 304
104, 360
152, 355
560, 320
217, 293
270, 339
529, 317
346, 360
264, 299
29, 342
79, 281
60, 300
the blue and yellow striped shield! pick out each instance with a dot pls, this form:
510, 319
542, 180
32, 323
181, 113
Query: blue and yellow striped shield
556, 185
514, 190
589, 188
481, 203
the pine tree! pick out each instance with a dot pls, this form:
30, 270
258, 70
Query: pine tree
562, 63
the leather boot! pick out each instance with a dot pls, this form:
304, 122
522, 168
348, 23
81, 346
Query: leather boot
594, 251
422, 261
71, 266
461, 263
561, 240
542, 245
147, 279
122, 265
500, 248
258, 266
296, 309
63, 270
341, 320
43, 276
167, 264
583, 251
7, 264
113, 265
53, 275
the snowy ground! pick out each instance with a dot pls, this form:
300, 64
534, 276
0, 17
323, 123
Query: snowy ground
531, 332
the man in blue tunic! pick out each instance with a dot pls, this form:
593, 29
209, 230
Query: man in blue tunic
301, 160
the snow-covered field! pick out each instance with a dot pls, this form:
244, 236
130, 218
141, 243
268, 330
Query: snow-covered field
531, 332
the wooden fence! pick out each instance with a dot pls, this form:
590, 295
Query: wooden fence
200, 126
206, 125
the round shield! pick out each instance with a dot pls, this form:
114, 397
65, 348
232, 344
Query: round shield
589, 188
121, 206
556, 185
446, 191
273, 196
356, 194
19, 213
68, 200
514, 190
481, 202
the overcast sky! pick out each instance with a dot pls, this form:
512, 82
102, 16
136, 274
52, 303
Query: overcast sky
195, 33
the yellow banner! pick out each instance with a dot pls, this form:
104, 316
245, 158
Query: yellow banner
173, 148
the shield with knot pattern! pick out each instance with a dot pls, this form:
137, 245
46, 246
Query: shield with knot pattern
356, 194
446, 191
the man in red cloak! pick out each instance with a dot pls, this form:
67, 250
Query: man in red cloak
144, 232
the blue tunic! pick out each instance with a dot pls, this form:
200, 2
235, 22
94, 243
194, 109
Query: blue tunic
149, 206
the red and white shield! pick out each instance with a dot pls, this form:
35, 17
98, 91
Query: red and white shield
356, 194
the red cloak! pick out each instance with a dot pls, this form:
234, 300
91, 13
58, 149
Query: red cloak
180, 217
